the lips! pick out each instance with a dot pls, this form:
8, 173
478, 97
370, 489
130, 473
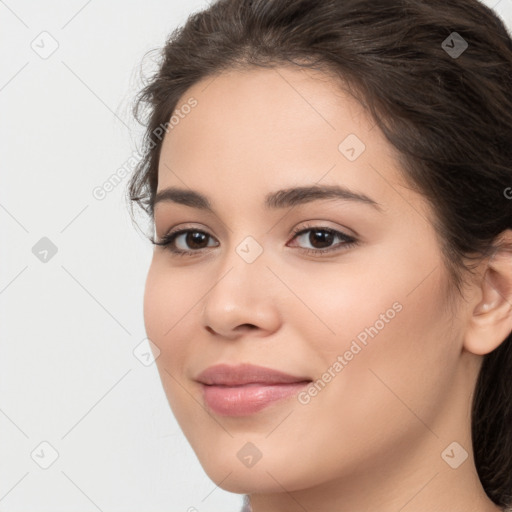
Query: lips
225, 375
246, 389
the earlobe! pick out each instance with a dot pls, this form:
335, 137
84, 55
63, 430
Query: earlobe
491, 319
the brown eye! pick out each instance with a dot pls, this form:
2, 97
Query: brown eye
195, 239
322, 238
185, 241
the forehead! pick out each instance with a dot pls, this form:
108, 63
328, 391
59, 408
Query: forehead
273, 108
262, 129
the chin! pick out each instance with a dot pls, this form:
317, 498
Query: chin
268, 475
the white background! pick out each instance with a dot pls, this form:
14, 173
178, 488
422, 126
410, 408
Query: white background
69, 326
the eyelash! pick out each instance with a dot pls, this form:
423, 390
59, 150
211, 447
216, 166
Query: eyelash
168, 240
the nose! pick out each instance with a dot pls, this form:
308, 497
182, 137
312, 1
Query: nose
242, 299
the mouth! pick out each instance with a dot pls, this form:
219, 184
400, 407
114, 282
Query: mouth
247, 399
246, 389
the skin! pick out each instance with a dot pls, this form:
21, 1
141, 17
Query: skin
373, 437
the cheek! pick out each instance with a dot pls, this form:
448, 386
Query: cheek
168, 309
347, 307
384, 312
392, 346
157, 304
168, 313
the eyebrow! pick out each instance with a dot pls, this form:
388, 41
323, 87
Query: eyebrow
284, 198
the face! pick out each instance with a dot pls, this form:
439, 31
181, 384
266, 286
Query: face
345, 293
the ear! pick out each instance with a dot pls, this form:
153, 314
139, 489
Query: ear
491, 319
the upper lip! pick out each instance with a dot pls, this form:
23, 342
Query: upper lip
226, 375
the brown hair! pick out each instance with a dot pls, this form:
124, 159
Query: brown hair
445, 107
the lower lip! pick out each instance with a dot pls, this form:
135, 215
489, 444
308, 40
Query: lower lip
247, 399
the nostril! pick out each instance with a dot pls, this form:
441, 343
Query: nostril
248, 326
242, 327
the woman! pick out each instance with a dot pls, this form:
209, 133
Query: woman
331, 286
